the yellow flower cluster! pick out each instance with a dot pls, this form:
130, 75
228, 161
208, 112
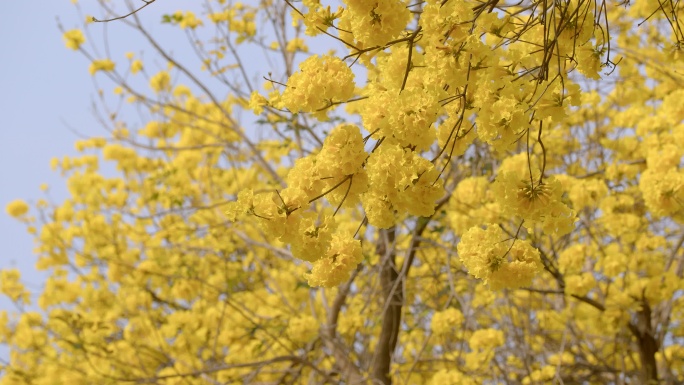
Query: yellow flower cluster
580, 284
239, 19
488, 255
534, 200
662, 183
664, 192
101, 65
302, 329
16, 208
257, 102
338, 164
400, 182
622, 217
374, 22
320, 82
314, 237
335, 267
472, 204
188, 20
587, 193
342, 152
296, 45
446, 19
451, 377
485, 339
311, 237
447, 321
11, 286
316, 17
73, 39
136, 66
160, 82
573, 258
405, 118
544, 375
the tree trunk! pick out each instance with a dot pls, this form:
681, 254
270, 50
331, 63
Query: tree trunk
648, 346
391, 317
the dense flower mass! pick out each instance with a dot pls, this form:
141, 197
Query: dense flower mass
536, 201
501, 263
374, 23
444, 322
342, 257
342, 152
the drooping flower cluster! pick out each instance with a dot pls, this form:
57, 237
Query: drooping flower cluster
374, 23
499, 261
400, 182
320, 82
336, 173
446, 321
341, 258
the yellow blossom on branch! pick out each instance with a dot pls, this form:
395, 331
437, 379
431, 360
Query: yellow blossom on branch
73, 39
101, 65
16, 208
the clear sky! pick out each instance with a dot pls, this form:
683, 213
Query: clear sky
46, 92
47, 104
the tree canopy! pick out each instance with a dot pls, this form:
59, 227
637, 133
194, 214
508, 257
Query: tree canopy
367, 192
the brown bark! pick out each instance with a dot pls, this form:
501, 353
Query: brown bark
648, 346
391, 318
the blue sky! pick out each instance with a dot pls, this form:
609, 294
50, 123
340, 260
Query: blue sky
47, 104
46, 92
48, 100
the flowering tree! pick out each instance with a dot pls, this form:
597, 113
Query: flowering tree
461, 192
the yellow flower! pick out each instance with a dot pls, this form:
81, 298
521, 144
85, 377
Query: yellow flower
17, 208
189, 20
450, 377
320, 82
486, 339
101, 65
302, 329
447, 321
136, 66
534, 201
257, 102
342, 152
375, 22
487, 256
12, 287
342, 257
296, 44
73, 39
579, 284
161, 82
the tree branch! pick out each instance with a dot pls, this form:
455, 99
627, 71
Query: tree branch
147, 2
